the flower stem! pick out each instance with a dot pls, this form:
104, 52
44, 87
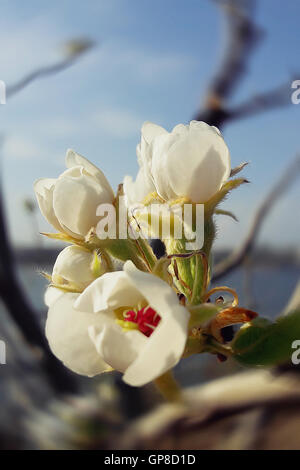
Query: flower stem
168, 387
107, 260
216, 347
146, 253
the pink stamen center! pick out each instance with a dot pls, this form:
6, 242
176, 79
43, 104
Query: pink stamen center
147, 319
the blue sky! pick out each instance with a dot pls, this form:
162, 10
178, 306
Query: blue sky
153, 61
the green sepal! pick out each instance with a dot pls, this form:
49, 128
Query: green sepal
213, 202
161, 269
200, 314
125, 250
238, 169
228, 213
195, 346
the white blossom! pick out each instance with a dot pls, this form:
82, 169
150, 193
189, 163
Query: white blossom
132, 319
73, 267
69, 202
192, 161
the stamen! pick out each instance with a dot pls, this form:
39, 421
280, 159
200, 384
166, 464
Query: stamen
224, 289
145, 319
150, 326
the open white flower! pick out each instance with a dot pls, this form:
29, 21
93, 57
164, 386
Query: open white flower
69, 202
134, 320
192, 161
150, 333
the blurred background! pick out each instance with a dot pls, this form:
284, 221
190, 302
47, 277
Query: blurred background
86, 75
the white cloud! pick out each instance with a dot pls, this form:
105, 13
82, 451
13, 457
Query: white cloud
119, 123
17, 147
59, 126
116, 122
148, 65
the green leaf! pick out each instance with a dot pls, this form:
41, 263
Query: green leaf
264, 343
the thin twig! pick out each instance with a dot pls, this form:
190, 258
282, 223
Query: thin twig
238, 255
80, 47
278, 97
243, 36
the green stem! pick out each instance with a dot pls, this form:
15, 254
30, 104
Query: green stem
125, 250
168, 387
147, 253
108, 260
195, 289
215, 347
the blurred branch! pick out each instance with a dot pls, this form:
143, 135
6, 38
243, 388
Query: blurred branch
255, 408
243, 37
11, 292
24, 316
74, 49
240, 254
280, 96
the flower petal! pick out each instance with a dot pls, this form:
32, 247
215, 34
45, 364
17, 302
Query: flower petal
160, 166
52, 294
193, 161
108, 292
163, 349
151, 130
75, 159
165, 346
136, 191
67, 334
75, 200
44, 188
74, 264
116, 347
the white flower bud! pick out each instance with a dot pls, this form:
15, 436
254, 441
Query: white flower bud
73, 267
69, 202
192, 161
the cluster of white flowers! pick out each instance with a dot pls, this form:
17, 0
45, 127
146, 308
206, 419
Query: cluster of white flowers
136, 320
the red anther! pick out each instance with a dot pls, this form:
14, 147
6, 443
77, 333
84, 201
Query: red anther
147, 319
